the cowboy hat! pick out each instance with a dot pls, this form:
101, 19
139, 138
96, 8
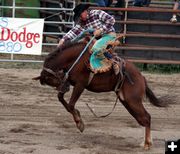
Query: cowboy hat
79, 9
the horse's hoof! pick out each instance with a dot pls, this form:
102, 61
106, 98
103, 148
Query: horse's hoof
147, 146
80, 126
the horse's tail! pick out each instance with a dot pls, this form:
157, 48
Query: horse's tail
152, 98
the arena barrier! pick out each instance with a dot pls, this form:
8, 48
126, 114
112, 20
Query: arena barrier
149, 35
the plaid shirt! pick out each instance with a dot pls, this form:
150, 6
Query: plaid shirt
97, 19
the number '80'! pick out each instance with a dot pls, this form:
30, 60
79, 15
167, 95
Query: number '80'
10, 46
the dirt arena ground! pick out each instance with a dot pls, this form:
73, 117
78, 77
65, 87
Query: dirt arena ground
33, 121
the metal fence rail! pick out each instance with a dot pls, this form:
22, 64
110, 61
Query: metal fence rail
50, 37
150, 36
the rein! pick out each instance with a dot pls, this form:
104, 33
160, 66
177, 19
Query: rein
119, 84
102, 116
67, 73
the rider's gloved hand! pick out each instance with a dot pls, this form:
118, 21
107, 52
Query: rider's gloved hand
97, 32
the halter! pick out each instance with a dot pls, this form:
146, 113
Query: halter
50, 71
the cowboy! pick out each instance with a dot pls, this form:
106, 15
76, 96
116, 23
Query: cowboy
100, 21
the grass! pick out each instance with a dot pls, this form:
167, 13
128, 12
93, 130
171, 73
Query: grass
160, 68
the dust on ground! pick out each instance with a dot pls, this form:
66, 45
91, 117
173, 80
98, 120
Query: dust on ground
33, 121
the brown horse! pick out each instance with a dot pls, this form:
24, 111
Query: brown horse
131, 95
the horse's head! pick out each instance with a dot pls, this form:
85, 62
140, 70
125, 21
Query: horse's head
51, 78
58, 63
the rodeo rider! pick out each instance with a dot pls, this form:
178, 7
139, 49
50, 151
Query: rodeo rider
100, 21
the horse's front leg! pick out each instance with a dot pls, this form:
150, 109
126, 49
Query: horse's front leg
77, 91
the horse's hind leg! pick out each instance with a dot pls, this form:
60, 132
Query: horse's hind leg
137, 110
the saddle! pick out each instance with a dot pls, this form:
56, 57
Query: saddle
109, 59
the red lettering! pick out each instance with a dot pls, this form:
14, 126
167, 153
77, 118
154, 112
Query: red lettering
3, 33
23, 36
36, 36
14, 36
29, 38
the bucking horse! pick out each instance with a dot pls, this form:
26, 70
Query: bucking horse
132, 85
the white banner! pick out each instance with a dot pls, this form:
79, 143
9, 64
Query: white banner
21, 36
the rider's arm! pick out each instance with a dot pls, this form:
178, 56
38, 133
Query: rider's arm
107, 20
73, 33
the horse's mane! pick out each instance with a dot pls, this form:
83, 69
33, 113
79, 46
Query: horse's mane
60, 50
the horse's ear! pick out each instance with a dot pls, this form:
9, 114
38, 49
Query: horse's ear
36, 78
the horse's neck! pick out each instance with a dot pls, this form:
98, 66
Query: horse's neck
69, 55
